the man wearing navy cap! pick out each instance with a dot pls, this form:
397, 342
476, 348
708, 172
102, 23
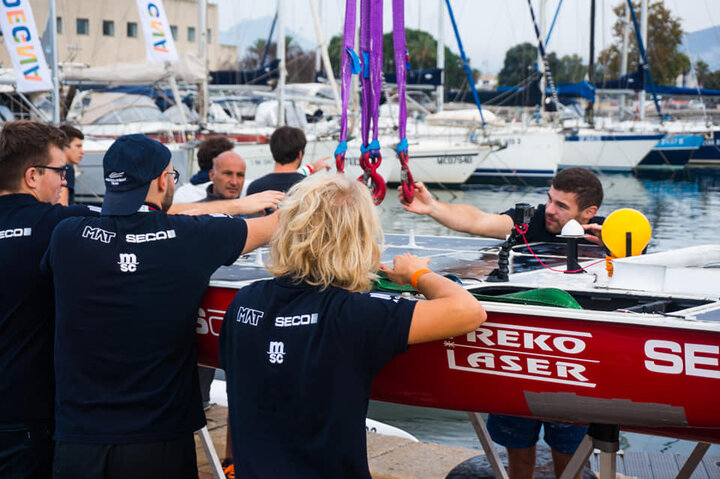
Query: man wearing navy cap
127, 287
32, 175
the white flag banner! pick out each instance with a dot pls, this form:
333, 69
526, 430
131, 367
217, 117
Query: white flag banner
159, 43
23, 44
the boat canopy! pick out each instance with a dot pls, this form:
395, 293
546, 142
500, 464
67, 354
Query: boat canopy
188, 68
634, 81
583, 89
119, 108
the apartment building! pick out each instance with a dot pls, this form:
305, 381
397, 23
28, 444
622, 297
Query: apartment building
103, 32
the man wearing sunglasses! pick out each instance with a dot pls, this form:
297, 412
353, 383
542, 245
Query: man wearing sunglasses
127, 287
32, 175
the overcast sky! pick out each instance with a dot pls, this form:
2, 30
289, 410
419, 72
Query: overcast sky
487, 27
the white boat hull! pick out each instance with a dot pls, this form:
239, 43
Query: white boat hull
606, 151
529, 154
431, 161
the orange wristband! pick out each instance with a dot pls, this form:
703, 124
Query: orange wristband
416, 276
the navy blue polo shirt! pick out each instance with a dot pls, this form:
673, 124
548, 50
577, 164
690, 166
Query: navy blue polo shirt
127, 290
26, 307
274, 181
299, 364
537, 233
70, 180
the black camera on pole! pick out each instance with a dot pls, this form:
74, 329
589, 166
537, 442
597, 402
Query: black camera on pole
521, 217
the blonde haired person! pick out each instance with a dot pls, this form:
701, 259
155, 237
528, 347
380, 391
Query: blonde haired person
300, 351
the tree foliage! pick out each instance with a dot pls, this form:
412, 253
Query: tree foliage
705, 77
422, 50
569, 69
300, 63
520, 62
663, 45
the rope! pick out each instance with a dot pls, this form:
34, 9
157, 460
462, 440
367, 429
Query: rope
522, 232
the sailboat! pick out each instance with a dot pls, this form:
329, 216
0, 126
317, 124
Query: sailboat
589, 145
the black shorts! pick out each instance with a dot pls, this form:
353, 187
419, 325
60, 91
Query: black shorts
174, 458
26, 451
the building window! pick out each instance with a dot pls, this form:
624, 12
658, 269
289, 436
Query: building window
59, 24
108, 28
82, 26
173, 30
191, 34
209, 35
132, 30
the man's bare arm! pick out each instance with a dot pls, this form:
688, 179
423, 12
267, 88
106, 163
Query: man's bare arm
260, 230
241, 206
459, 217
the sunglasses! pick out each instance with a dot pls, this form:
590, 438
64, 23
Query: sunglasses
61, 170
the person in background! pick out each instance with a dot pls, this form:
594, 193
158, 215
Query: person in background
575, 193
227, 177
298, 391
208, 150
73, 154
287, 145
126, 298
32, 177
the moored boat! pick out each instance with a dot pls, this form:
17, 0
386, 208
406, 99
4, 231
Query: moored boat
644, 356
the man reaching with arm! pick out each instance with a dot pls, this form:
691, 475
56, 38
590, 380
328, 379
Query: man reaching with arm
575, 193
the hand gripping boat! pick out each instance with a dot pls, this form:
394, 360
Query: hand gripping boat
639, 350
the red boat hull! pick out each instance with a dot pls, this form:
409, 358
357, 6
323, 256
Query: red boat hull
655, 380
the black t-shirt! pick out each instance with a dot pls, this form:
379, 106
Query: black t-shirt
537, 233
70, 180
299, 364
26, 307
127, 290
274, 181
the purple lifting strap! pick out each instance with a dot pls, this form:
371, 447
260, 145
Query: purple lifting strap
346, 72
376, 61
400, 61
365, 81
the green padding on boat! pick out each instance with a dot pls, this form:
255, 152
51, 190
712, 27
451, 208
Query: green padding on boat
536, 297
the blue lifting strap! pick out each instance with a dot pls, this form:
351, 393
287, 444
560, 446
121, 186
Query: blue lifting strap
402, 146
355, 66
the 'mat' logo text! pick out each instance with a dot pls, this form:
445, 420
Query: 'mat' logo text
98, 234
249, 316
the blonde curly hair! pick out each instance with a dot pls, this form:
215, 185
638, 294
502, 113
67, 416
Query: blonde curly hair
328, 234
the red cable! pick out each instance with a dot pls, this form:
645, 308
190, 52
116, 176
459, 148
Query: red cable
523, 231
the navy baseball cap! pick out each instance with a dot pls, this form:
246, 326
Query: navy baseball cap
131, 163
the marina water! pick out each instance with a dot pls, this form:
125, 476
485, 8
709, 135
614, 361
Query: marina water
683, 209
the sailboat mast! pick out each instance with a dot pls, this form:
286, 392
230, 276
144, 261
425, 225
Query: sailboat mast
54, 64
589, 114
203, 54
440, 90
540, 62
466, 65
624, 57
322, 54
643, 35
281, 57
